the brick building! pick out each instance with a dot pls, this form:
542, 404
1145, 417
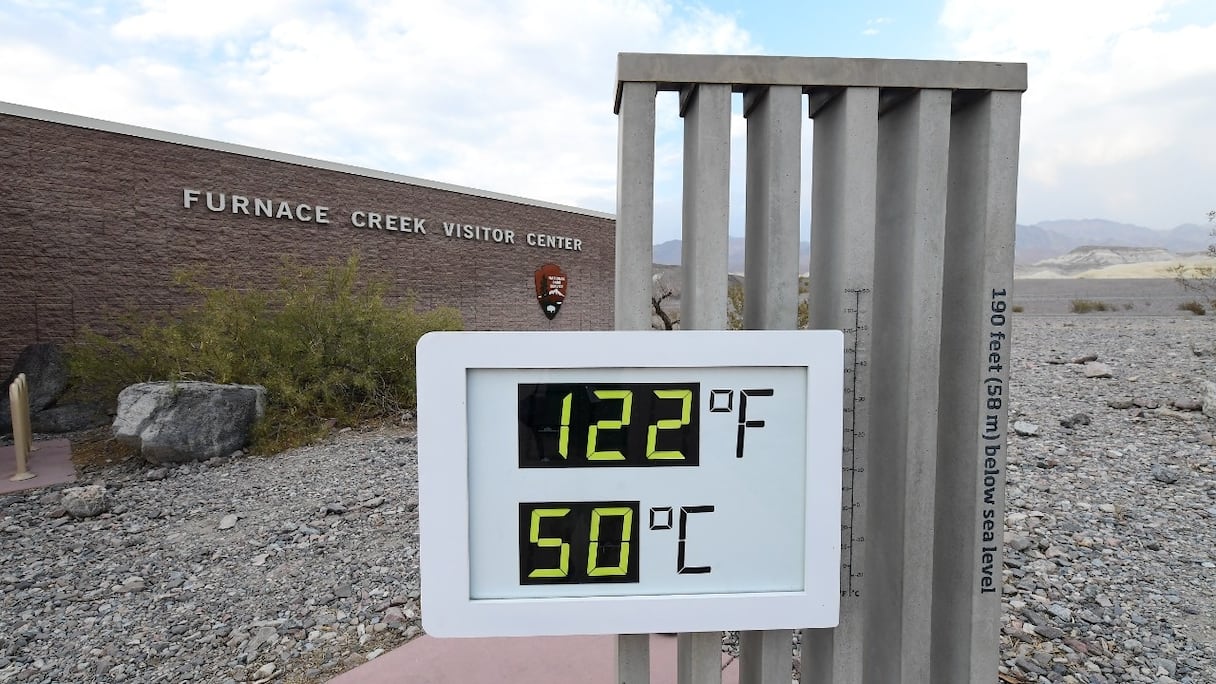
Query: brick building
96, 218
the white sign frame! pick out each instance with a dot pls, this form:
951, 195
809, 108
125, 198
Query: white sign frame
444, 360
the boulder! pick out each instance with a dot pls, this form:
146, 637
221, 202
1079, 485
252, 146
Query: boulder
68, 418
178, 422
45, 370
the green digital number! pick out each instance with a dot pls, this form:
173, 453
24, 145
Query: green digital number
622, 566
593, 431
652, 435
563, 568
563, 439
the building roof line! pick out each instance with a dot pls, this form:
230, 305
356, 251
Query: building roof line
27, 112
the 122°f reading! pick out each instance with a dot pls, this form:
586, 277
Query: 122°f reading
608, 424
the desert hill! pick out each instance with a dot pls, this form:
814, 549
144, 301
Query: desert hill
1094, 261
1035, 243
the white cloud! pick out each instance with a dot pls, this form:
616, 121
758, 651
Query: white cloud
198, 21
872, 25
514, 97
1116, 88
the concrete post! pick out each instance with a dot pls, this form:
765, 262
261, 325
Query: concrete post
913, 142
634, 264
843, 215
974, 383
912, 199
774, 188
774, 170
699, 658
633, 658
635, 206
706, 112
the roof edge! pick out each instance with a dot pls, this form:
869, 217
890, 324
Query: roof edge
77, 121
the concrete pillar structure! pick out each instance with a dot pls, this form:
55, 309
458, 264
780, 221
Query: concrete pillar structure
706, 112
913, 193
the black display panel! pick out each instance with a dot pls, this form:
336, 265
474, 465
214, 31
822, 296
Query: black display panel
579, 542
609, 424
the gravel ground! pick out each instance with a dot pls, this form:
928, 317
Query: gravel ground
290, 568
296, 567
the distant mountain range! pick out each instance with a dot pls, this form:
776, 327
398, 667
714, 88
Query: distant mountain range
1034, 242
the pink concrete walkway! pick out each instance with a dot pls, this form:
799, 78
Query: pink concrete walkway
51, 461
533, 660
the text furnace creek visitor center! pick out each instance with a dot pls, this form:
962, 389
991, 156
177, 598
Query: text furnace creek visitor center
96, 218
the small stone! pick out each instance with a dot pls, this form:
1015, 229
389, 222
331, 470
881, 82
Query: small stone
1163, 473
1020, 543
1060, 612
1029, 665
228, 521
375, 654
1025, 428
264, 671
1145, 402
86, 502
1121, 403
1049, 632
1075, 420
1094, 369
334, 509
374, 502
156, 474
1085, 358
1164, 412
1209, 398
1188, 404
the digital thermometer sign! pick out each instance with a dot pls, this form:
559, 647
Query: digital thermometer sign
629, 482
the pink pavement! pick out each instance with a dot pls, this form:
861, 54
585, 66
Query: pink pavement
528, 660
50, 460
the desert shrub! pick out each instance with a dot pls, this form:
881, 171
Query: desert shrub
734, 306
1194, 306
329, 350
1018, 308
1088, 306
1128, 306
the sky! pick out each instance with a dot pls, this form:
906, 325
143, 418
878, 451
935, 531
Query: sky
516, 96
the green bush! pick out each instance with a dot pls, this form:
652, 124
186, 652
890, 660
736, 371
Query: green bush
1194, 306
329, 351
1088, 306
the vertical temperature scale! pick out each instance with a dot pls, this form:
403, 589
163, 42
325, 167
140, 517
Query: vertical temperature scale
629, 482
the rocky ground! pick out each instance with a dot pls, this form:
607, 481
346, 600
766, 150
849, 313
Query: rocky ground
1110, 566
290, 568
296, 567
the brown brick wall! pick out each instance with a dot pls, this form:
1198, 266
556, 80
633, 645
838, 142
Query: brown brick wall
92, 224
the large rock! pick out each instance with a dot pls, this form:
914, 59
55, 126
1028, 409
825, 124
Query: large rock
69, 418
46, 373
176, 422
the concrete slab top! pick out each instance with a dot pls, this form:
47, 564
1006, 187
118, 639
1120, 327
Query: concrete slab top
673, 72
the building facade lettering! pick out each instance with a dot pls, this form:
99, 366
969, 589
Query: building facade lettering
301, 212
